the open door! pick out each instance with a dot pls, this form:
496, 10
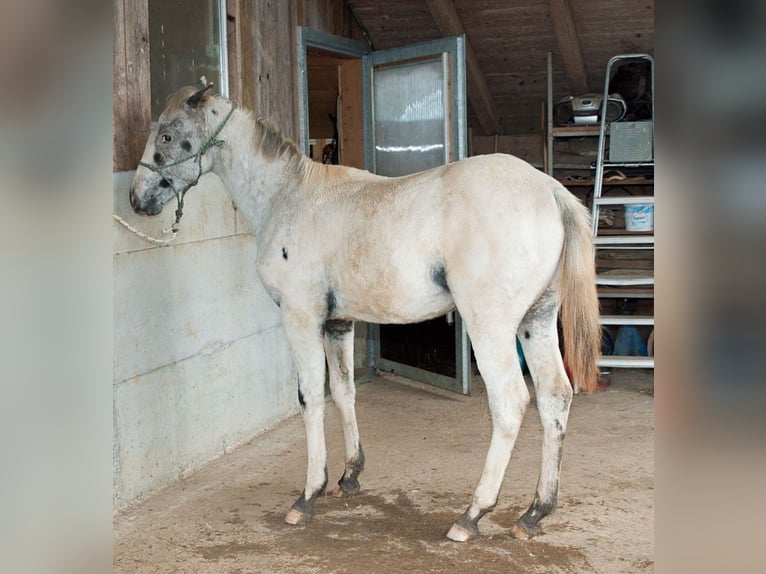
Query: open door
418, 122
415, 119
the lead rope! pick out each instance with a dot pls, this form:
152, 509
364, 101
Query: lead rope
209, 143
129, 227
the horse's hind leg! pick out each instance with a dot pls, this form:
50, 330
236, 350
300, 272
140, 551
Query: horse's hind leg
305, 338
339, 348
539, 340
494, 345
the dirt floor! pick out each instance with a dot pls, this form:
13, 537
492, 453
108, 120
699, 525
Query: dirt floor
424, 449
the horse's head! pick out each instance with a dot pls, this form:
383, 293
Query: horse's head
175, 155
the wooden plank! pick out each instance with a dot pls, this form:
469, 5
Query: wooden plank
274, 63
234, 49
120, 155
138, 81
527, 147
449, 24
351, 121
246, 25
569, 45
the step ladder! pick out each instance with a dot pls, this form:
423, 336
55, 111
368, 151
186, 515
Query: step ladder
628, 283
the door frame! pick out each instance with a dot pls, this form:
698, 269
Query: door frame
455, 46
309, 38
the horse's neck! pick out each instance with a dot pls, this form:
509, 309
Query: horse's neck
253, 180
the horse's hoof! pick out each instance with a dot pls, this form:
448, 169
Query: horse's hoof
346, 487
459, 534
525, 532
295, 517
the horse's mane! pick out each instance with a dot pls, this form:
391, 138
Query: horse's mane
270, 142
175, 100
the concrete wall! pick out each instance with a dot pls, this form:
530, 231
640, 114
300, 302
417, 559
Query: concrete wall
200, 360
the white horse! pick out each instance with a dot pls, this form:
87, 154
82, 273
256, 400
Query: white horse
490, 235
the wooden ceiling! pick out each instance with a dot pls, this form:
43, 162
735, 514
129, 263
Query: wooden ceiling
507, 46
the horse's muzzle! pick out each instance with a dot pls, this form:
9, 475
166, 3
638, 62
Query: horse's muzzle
151, 207
134, 203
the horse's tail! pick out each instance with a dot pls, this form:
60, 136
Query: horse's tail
579, 301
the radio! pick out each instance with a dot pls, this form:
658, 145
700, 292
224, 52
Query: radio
586, 109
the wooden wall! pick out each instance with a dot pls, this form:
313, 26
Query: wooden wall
262, 63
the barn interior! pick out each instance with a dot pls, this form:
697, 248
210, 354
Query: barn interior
206, 418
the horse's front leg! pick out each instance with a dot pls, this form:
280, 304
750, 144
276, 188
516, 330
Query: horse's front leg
305, 338
339, 348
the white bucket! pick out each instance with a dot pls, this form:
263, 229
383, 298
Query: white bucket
639, 217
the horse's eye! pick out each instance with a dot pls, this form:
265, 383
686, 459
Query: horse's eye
166, 138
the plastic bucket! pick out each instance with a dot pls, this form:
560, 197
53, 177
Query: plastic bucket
639, 218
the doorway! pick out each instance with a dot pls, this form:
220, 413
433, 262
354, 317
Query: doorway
417, 122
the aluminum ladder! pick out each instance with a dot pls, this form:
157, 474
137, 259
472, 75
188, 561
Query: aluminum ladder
625, 284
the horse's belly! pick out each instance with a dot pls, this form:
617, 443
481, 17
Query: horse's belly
386, 307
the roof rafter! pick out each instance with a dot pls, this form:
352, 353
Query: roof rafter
569, 45
449, 24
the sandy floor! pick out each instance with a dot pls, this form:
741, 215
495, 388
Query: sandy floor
424, 451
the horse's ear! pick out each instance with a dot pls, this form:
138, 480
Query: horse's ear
199, 97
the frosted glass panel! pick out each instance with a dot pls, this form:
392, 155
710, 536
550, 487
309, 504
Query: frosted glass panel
409, 117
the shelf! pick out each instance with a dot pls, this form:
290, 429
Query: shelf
625, 361
590, 182
610, 232
626, 320
625, 278
624, 240
626, 293
625, 200
576, 131
615, 164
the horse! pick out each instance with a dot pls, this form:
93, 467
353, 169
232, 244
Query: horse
495, 238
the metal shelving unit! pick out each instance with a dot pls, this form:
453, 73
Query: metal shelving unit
616, 283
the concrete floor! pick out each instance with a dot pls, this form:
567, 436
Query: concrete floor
424, 449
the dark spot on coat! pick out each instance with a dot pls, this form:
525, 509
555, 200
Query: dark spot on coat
186, 145
284, 254
349, 482
336, 328
158, 159
439, 276
470, 524
537, 511
331, 303
305, 504
301, 399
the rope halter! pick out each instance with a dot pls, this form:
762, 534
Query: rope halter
211, 142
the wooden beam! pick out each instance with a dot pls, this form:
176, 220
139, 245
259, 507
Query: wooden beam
449, 24
120, 154
138, 81
569, 45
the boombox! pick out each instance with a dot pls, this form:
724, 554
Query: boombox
584, 110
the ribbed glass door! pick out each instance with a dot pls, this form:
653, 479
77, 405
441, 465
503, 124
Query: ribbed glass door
416, 120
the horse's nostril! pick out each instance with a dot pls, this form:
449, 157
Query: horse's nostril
164, 182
